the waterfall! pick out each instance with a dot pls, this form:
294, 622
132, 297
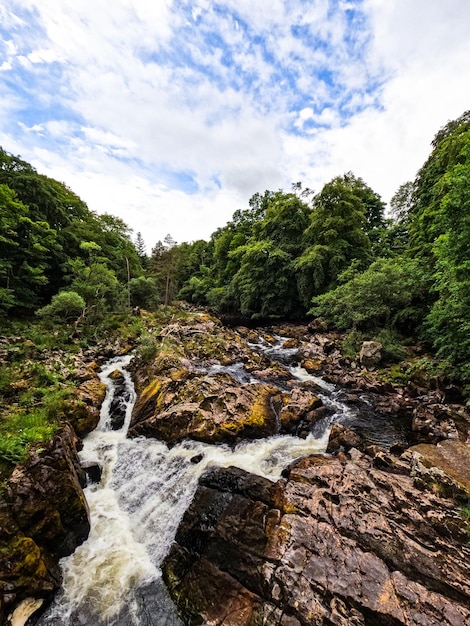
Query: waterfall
114, 578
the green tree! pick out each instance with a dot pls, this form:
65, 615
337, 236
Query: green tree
66, 305
264, 285
427, 222
384, 295
336, 235
164, 268
449, 320
141, 250
26, 249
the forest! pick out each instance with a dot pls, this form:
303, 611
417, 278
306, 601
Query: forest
337, 254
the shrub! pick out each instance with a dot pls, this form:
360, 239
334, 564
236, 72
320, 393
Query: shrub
375, 298
66, 305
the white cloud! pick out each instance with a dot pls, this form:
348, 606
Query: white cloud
171, 114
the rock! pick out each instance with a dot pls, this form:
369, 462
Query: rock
339, 541
120, 401
318, 325
83, 412
93, 472
370, 354
312, 365
299, 410
444, 468
43, 517
212, 408
25, 610
343, 438
290, 343
433, 423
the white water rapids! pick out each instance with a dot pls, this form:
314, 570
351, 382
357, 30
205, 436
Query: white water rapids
137, 506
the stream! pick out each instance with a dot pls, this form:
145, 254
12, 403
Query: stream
114, 578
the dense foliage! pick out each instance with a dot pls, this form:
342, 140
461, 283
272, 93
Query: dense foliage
51, 241
290, 254
334, 254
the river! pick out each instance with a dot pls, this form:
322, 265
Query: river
114, 578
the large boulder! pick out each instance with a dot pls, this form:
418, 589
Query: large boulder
444, 468
211, 408
43, 517
370, 354
337, 541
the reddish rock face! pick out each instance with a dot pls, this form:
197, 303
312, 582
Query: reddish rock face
338, 541
43, 516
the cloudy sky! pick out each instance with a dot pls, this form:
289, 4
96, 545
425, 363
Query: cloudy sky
170, 114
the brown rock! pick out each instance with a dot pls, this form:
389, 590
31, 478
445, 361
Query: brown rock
343, 438
312, 365
370, 354
299, 409
211, 408
43, 516
83, 411
433, 423
444, 468
340, 541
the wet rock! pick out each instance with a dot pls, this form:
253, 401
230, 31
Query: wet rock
290, 343
43, 516
299, 410
312, 365
433, 423
370, 354
93, 472
343, 438
83, 411
25, 611
197, 458
444, 468
211, 408
318, 325
120, 401
339, 541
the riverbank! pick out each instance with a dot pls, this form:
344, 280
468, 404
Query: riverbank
197, 378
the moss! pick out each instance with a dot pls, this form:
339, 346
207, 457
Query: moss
261, 412
26, 559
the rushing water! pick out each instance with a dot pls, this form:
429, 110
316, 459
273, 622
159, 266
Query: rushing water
114, 578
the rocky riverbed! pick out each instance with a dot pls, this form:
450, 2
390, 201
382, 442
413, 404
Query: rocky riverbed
365, 534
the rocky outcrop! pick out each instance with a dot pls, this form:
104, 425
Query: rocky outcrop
83, 410
217, 408
212, 409
370, 354
347, 540
43, 516
444, 468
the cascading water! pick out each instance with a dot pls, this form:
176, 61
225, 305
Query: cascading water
114, 578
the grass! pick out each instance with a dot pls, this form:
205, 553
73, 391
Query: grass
37, 375
21, 430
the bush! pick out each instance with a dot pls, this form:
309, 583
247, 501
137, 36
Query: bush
66, 305
377, 297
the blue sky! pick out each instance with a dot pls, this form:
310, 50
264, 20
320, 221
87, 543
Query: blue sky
171, 114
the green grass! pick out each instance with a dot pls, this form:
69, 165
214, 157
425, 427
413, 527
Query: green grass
21, 430
36, 386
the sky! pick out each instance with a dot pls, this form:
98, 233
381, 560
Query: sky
171, 114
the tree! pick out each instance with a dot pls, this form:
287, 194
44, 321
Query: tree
427, 222
448, 322
336, 235
163, 266
264, 285
65, 305
384, 295
26, 249
141, 250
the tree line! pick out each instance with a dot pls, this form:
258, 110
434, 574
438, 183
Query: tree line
333, 254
